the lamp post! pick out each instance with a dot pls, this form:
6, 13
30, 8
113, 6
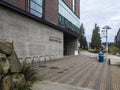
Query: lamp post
106, 28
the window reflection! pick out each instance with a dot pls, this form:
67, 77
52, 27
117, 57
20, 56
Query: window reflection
36, 7
65, 11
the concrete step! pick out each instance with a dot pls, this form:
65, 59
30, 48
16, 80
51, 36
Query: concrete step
114, 61
47, 85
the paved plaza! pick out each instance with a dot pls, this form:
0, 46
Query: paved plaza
81, 71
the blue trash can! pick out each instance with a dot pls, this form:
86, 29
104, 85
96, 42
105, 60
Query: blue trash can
101, 57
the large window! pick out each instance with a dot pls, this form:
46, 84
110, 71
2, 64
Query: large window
36, 7
68, 19
65, 11
65, 23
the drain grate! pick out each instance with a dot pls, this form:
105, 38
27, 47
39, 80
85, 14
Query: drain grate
42, 66
54, 68
60, 72
71, 67
65, 69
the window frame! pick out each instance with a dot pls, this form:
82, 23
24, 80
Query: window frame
34, 10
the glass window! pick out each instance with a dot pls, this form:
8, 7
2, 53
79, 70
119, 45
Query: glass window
68, 14
65, 23
36, 7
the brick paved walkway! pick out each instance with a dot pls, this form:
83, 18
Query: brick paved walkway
81, 71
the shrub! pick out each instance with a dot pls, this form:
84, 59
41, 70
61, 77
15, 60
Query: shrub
24, 86
93, 50
113, 50
81, 49
30, 74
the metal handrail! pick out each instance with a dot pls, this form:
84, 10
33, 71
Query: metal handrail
33, 60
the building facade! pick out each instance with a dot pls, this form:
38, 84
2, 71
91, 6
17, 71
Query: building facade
41, 27
117, 39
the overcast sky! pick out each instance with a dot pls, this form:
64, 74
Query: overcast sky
102, 12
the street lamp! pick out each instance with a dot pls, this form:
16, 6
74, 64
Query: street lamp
106, 28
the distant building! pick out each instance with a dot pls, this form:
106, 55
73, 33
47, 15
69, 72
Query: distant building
41, 27
117, 39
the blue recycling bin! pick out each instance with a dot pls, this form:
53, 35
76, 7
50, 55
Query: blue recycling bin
101, 57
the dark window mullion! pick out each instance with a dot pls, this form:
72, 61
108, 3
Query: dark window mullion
36, 3
75, 6
36, 8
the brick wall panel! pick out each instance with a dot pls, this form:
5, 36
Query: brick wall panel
18, 3
69, 3
51, 11
78, 8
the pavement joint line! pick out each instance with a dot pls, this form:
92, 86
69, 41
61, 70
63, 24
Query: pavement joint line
47, 85
66, 80
50, 75
55, 63
85, 83
109, 79
98, 80
91, 83
61, 65
116, 80
77, 67
66, 67
104, 78
81, 74
82, 79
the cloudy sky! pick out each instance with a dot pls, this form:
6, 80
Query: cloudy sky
102, 12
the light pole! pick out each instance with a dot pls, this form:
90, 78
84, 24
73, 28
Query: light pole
106, 28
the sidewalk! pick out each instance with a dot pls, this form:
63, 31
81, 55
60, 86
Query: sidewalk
47, 85
96, 55
89, 54
77, 73
113, 59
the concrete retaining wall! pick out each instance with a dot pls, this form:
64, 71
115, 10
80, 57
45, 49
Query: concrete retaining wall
31, 38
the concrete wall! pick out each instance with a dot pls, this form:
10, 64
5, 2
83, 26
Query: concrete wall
31, 38
72, 47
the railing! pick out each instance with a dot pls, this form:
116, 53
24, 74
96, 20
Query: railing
34, 59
